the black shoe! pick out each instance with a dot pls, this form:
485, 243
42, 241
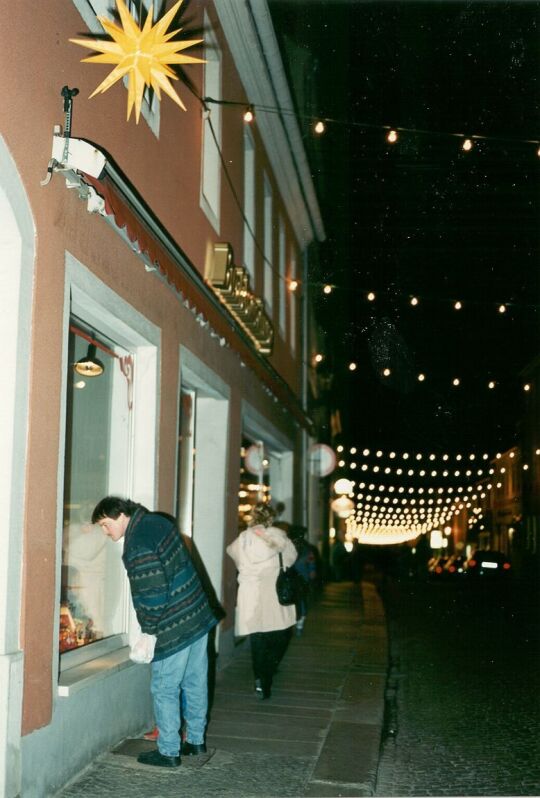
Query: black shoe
192, 749
158, 759
262, 690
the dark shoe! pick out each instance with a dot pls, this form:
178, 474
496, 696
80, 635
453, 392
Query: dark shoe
192, 749
158, 759
262, 690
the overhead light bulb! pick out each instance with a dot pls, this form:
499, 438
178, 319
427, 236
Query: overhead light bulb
527, 386
319, 127
491, 385
327, 289
352, 366
455, 381
458, 305
421, 377
386, 372
371, 297
89, 366
293, 285
414, 300
318, 358
467, 145
392, 136
249, 114
502, 308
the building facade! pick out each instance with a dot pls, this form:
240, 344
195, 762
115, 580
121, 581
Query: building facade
154, 344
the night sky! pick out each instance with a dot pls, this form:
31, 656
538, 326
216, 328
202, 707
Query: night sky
422, 217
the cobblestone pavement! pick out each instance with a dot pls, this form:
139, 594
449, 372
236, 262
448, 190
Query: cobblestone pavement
462, 711
318, 736
221, 774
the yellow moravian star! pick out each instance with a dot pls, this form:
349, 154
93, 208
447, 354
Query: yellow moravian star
144, 54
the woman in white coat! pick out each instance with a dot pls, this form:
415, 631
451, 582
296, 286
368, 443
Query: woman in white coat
258, 612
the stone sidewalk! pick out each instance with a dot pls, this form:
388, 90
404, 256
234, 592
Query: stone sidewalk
319, 734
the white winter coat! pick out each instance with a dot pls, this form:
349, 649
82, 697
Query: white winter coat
255, 553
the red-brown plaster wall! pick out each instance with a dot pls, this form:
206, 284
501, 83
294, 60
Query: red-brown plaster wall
37, 60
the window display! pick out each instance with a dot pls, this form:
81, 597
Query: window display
92, 600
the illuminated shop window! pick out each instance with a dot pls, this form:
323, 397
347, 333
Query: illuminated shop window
97, 457
254, 479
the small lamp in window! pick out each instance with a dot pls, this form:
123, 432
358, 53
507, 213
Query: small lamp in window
89, 366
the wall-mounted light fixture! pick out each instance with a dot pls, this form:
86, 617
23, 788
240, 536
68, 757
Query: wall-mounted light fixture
89, 366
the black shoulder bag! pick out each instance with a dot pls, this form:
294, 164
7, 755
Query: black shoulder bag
286, 584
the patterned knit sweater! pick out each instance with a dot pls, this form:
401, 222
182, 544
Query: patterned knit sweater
167, 593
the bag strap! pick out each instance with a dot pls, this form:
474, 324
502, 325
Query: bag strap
280, 561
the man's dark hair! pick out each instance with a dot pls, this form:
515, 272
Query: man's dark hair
113, 507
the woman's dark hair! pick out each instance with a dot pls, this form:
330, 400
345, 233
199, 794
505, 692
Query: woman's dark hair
112, 507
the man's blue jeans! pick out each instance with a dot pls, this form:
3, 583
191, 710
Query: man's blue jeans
187, 670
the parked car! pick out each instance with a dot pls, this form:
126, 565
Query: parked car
489, 564
456, 565
436, 567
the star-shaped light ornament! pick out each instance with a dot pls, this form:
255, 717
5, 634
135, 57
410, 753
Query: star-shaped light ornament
144, 54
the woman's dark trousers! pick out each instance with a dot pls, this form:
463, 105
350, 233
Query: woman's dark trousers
267, 650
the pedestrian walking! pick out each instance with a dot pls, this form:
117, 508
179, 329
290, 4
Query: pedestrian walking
258, 612
306, 566
171, 604
357, 561
340, 557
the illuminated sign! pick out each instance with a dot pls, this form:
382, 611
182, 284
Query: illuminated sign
231, 284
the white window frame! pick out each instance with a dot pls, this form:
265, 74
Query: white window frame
293, 300
268, 249
95, 303
282, 278
89, 11
210, 194
249, 204
184, 503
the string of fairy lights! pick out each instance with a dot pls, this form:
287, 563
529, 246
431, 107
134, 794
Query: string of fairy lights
319, 125
421, 377
293, 285
355, 458
387, 512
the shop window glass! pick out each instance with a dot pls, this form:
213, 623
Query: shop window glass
97, 458
186, 461
254, 478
